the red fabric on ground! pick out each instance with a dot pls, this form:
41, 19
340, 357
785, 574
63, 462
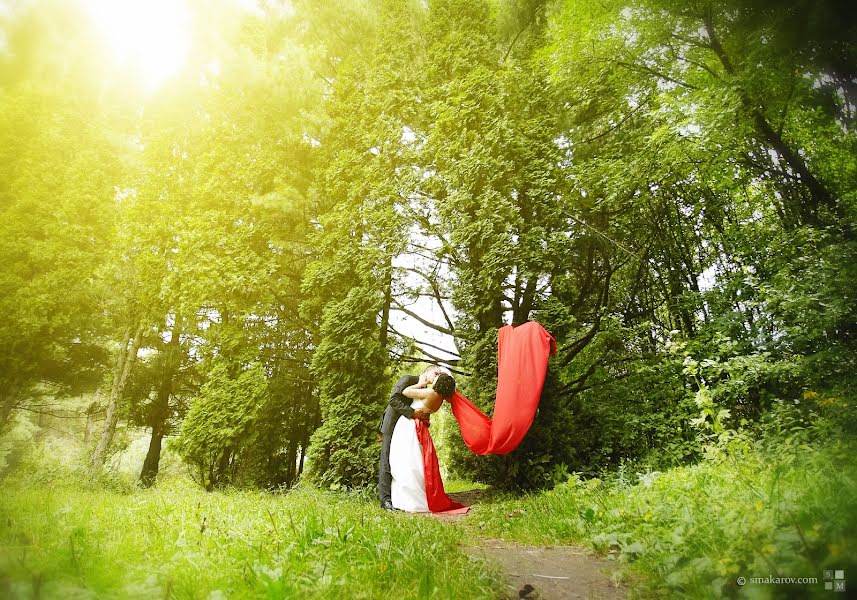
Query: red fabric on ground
438, 501
522, 363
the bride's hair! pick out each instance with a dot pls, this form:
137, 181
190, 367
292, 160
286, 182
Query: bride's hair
444, 385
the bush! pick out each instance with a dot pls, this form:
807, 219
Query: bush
220, 424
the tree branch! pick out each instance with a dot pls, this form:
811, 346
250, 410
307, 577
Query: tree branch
691, 41
416, 341
432, 230
428, 324
526, 26
617, 125
650, 71
442, 363
437, 295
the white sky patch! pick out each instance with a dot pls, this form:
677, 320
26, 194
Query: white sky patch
707, 279
425, 306
428, 309
213, 67
151, 37
311, 140
690, 129
633, 100
562, 142
666, 86
250, 6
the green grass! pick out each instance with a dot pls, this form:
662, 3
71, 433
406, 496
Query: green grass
692, 531
781, 507
74, 542
462, 485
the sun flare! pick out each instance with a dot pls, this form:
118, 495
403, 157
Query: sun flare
150, 36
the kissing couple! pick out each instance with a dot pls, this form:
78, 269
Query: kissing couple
409, 475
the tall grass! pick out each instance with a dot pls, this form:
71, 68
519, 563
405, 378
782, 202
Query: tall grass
68, 541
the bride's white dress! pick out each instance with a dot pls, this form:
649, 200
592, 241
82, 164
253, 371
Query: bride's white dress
406, 465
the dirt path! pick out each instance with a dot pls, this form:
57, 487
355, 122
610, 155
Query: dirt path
546, 572
550, 572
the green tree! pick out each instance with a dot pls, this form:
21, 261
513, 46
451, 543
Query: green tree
358, 197
58, 164
219, 424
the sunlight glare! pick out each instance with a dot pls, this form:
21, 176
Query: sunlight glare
150, 36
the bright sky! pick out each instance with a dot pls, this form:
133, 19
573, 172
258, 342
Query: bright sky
152, 37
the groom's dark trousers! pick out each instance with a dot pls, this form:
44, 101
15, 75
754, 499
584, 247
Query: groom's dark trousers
399, 405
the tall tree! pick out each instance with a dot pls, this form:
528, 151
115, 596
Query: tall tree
58, 167
360, 231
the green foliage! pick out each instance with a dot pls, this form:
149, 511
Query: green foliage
708, 270
349, 365
773, 503
348, 284
282, 430
57, 169
15, 441
178, 213
668, 188
220, 424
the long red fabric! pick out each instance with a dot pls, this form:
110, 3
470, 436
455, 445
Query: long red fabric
522, 362
438, 501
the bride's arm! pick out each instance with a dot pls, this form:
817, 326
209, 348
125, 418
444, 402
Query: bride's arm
418, 391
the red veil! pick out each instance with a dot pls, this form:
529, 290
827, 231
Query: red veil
523, 354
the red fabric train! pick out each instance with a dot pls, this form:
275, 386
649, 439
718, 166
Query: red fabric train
522, 362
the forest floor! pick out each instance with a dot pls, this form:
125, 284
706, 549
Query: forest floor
550, 572
546, 572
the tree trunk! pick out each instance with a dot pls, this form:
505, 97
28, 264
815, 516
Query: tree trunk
8, 398
316, 423
91, 410
291, 463
388, 299
819, 193
524, 304
153, 458
303, 456
223, 470
161, 410
124, 362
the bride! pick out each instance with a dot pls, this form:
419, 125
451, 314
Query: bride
417, 486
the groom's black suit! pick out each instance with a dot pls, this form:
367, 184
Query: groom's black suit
399, 405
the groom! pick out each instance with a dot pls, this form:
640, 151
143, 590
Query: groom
399, 405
